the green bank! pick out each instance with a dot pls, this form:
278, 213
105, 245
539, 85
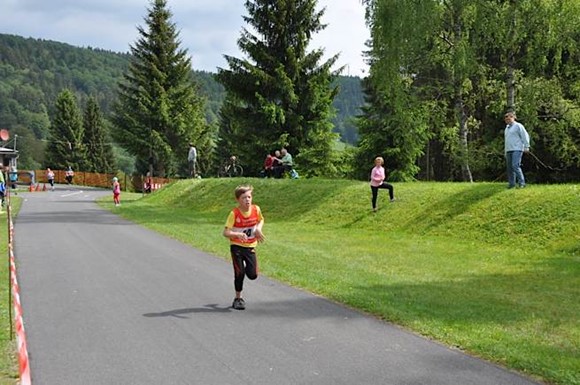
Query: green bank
490, 271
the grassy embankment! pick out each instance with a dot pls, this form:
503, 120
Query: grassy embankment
491, 271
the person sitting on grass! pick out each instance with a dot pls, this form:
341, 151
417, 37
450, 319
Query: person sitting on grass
286, 160
286, 163
268, 166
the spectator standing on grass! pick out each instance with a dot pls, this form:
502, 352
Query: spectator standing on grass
2, 186
517, 141
378, 177
13, 176
244, 230
192, 160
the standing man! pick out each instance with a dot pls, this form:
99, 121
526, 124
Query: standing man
191, 160
13, 175
517, 141
2, 187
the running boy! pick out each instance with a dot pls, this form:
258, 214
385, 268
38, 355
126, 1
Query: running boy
244, 229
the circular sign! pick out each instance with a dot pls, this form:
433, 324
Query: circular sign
4, 134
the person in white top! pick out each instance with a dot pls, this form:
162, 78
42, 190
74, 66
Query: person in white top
50, 178
192, 160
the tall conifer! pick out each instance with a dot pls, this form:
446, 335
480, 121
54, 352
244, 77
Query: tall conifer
65, 147
280, 95
99, 150
159, 110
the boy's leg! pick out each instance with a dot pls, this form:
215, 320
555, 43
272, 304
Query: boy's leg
251, 263
239, 273
245, 264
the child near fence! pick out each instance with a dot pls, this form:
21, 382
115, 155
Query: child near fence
116, 191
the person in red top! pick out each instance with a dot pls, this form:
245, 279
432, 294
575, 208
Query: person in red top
244, 230
116, 191
268, 166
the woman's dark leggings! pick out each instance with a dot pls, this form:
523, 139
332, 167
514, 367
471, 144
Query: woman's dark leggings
375, 191
245, 264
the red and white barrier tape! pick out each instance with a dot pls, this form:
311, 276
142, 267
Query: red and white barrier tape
24, 363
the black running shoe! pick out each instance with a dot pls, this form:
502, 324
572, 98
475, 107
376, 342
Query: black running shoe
239, 304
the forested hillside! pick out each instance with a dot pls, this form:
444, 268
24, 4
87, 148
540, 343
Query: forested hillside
34, 71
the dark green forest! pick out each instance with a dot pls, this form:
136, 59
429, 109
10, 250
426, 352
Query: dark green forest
34, 71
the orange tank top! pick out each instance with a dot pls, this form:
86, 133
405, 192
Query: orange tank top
247, 225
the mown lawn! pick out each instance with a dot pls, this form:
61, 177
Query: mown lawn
491, 271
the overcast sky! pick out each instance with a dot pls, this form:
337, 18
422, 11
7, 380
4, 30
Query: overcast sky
208, 28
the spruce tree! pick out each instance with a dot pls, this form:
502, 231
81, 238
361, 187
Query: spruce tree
99, 150
65, 147
280, 95
159, 110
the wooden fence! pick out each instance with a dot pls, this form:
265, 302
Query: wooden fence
104, 180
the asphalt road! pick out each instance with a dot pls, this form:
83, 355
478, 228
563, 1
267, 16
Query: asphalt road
108, 302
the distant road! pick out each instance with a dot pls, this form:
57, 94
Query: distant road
107, 302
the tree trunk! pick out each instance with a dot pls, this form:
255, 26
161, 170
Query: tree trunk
511, 86
463, 141
511, 57
460, 107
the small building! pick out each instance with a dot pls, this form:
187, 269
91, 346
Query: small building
8, 157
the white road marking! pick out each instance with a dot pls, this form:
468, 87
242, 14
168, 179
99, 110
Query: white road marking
72, 193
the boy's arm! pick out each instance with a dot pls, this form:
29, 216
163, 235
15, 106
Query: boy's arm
229, 233
259, 234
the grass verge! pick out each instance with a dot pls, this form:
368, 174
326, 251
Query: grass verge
8, 361
491, 271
